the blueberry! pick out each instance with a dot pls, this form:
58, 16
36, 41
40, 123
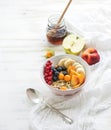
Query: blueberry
65, 72
53, 67
59, 68
56, 73
55, 78
54, 70
64, 68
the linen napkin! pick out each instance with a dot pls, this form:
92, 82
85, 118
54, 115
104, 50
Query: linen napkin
88, 108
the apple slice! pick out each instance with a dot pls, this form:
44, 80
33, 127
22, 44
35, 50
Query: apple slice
73, 44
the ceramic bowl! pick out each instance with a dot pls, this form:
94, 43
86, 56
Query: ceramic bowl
55, 60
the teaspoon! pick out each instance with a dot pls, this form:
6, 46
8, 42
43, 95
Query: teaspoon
36, 97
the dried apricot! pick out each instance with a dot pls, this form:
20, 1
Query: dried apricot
63, 88
61, 76
76, 86
67, 77
71, 67
81, 77
48, 54
74, 80
73, 72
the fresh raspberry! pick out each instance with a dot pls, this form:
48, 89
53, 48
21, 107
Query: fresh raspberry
49, 82
49, 78
48, 72
45, 74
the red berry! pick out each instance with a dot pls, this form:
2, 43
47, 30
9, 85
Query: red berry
47, 71
45, 78
49, 62
50, 73
47, 67
49, 82
49, 78
45, 74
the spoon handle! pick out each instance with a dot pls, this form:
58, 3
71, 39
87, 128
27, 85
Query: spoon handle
65, 118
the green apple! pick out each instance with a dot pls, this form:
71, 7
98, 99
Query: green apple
73, 44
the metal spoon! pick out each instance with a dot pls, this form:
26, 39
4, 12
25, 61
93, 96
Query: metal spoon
36, 97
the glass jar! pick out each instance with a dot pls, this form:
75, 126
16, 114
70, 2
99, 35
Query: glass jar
56, 34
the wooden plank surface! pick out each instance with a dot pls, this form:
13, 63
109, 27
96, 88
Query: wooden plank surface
22, 39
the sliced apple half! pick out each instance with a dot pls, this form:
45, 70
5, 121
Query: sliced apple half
73, 44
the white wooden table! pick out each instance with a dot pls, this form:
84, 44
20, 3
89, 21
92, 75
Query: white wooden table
22, 27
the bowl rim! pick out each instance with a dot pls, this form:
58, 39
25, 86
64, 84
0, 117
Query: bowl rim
79, 59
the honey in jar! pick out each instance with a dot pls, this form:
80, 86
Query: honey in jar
56, 34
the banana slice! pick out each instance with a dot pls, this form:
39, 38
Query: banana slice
80, 70
68, 62
77, 65
61, 62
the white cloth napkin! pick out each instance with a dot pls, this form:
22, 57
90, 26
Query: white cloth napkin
90, 108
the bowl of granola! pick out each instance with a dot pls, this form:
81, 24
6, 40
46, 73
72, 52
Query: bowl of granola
65, 74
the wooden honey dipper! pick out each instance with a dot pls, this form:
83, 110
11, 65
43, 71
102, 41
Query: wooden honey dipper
54, 30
